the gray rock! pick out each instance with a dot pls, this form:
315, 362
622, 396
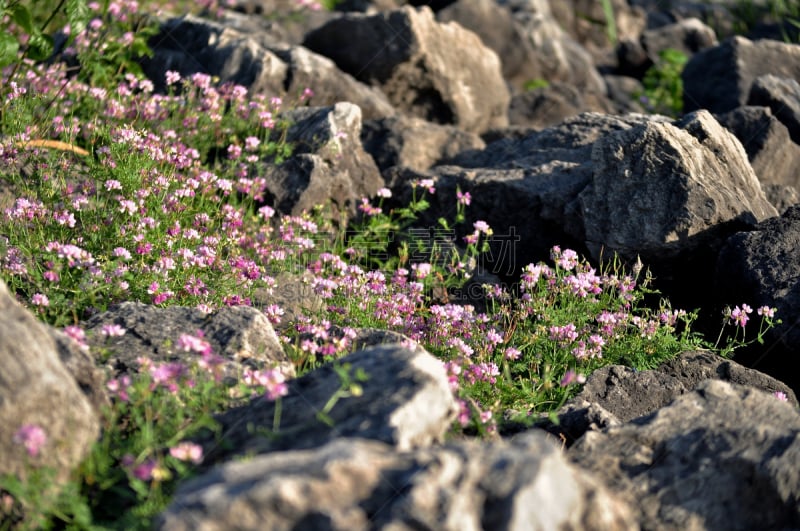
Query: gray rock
504, 35
782, 96
329, 84
356, 484
617, 394
439, 72
781, 196
540, 174
547, 106
328, 162
762, 267
694, 366
257, 58
585, 22
37, 389
415, 143
772, 154
557, 56
660, 190
688, 36
720, 78
721, 457
191, 44
240, 334
406, 401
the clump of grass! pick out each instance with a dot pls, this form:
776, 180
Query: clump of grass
118, 193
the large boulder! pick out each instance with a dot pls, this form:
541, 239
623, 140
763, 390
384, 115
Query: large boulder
504, 35
661, 190
557, 56
439, 72
46, 420
720, 78
356, 484
191, 44
525, 188
721, 457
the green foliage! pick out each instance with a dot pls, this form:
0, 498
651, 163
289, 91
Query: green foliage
663, 86
533, 84
611, 23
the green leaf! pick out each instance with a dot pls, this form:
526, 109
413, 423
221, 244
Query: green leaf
9, 47
40, 47
78, 15
23, 18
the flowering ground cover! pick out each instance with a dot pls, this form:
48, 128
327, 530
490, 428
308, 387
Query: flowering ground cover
112, 192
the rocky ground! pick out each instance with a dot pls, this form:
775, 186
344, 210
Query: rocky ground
708, 199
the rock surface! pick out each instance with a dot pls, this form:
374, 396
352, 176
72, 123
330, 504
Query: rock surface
404, 401
439, 72
358, 484
662, 463
37, 389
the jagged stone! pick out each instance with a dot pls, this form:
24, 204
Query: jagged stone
504, 35
772, 154
328, 162
556, 56
660, 189
257, 58
356, 484
405, 401
720, 78
439, 72
720, 457
191, 44
782, 96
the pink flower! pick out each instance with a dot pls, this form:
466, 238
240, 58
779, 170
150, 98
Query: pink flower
780, 395
422, 270
119, 386
512, 354
384, 192
145, 470
194, 343
172, 77
274, 384
766, 311
571, 377
112, 330
40, 299
482, 226
187, 451
739, 315
463, 198
32, 436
